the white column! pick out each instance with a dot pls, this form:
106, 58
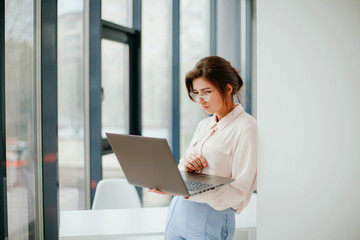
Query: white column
308, 55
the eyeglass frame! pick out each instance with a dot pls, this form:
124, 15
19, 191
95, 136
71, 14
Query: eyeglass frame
204, 95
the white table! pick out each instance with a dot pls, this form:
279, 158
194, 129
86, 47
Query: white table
118, 223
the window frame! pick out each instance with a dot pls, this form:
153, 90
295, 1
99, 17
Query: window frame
45, 63
131, 37
102, 29
3, 182
49, 121
175, 108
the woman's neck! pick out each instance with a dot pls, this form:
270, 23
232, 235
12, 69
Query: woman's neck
226, 110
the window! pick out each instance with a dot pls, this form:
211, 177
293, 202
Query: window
95, 54
120, 84
118, 12
156, 68
115, 79
115, 103
194, 45
21, 121
156, 78
71, 105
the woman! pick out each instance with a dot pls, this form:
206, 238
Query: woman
224, 144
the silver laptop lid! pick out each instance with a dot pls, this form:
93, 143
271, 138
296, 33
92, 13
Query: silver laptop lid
148, 162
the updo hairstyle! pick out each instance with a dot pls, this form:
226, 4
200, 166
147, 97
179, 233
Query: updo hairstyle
218, 72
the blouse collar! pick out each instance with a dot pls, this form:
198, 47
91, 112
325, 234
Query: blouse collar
227, 119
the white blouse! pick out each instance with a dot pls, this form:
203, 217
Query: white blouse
230, 148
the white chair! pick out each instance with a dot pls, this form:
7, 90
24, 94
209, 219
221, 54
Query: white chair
118, 193
115, 193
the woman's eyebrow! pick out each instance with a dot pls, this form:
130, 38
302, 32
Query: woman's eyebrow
207, 88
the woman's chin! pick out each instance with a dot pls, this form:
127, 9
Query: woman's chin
208, 111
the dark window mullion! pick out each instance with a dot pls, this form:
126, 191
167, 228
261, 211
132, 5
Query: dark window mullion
114, 36
248, 80
3, 191
135, 77
95, 94
135, 72
115, 32
49, 117
134, 86
116, 28
175, 114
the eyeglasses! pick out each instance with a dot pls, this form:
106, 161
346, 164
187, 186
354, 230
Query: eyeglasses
204, 95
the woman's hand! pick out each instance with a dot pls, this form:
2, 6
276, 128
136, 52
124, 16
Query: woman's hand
195, 162
160, 192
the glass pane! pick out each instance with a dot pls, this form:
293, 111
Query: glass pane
71, 109
111, 167
194, 45
156, 77
156, 67
21, 137
115, 104
117, 11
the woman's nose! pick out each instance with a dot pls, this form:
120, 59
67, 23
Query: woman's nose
201, 100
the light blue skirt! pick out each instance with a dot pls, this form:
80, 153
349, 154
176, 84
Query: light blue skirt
192, 220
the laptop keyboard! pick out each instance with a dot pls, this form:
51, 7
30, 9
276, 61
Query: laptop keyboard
194, 186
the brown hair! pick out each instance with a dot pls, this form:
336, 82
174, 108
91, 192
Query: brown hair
218, 72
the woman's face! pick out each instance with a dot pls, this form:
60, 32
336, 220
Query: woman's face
215, 103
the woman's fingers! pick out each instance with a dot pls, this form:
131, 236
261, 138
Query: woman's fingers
199, 161
193, 164
189, 163
160, 192
196, 162
189, 167
156, 191
202, 160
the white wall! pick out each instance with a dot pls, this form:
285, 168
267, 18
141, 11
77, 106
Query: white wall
308, 54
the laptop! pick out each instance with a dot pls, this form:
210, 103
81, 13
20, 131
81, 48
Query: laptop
148, 162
